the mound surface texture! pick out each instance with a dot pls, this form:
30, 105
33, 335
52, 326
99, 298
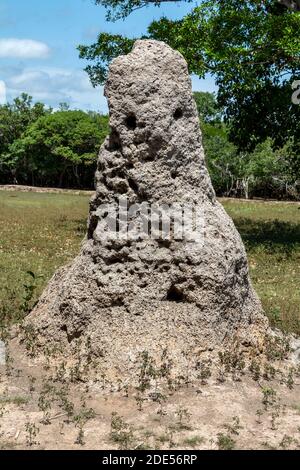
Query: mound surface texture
124, 296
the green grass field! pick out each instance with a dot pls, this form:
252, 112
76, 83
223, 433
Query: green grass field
40, 232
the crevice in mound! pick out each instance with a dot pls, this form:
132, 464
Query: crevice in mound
150, 158
133, 185
114, 141
71, 336
117, 172
93, 221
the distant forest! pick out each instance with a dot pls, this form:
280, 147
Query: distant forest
43, 147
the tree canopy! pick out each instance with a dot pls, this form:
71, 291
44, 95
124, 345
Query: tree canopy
42, 147
252, 49
46, 148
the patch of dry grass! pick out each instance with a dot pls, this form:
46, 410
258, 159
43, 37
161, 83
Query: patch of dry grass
271, 233
40, 232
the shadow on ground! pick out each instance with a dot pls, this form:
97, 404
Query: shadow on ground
273, 235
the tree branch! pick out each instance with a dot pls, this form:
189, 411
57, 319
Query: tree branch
292, 4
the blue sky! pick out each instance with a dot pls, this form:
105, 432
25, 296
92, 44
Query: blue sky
38, 53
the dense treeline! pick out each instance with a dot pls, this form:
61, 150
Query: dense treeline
268, 171
40, 147
252, 50
250, 129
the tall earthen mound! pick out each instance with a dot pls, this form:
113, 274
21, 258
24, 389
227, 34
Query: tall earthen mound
123, 296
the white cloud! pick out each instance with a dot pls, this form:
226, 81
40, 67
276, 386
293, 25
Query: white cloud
2, 92
55, 85
23, 49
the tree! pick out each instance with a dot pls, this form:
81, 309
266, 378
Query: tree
271, 172
292, 4
266, 172
14, 119
117, 9
252, 48
64, 106
208, 108
221, 158
58, 149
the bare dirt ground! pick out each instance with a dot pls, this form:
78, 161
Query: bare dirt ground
247, 409
244, 410
36, 189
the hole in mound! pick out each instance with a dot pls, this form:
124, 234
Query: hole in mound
175, 295
118, 302
178, 114
149, 158
131, 122
163, 243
